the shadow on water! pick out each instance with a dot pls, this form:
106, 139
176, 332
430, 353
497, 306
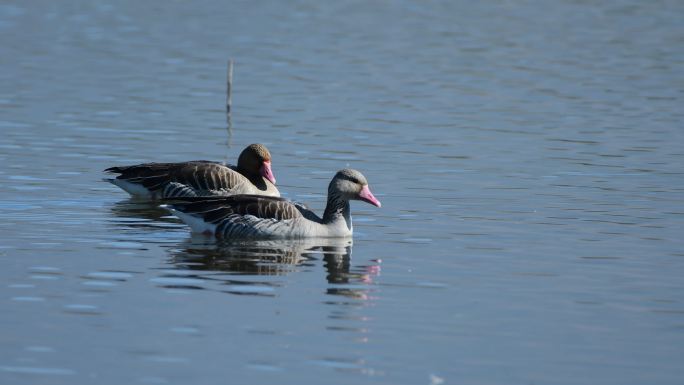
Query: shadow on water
133, 211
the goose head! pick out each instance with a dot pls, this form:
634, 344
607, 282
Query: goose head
352, 185
256, 160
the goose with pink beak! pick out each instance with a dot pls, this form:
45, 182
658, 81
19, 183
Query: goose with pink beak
266, 172
252, 175
262, 217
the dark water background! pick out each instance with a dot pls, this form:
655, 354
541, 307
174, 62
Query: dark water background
529, 156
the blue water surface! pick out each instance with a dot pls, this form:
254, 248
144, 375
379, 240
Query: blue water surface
528, 154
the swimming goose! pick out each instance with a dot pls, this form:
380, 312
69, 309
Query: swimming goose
252, 175
260, 217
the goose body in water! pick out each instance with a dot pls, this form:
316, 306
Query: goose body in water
261, 217
252, 175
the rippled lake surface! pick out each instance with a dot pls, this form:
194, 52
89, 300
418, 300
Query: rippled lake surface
529, 156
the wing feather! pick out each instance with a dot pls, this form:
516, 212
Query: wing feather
247, 216
204, 177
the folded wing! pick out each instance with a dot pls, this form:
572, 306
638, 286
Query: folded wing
246, 216
176, 180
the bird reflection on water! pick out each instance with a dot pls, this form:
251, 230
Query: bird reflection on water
275, 258
206, 260
133, 214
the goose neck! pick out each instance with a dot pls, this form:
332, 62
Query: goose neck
336, 209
